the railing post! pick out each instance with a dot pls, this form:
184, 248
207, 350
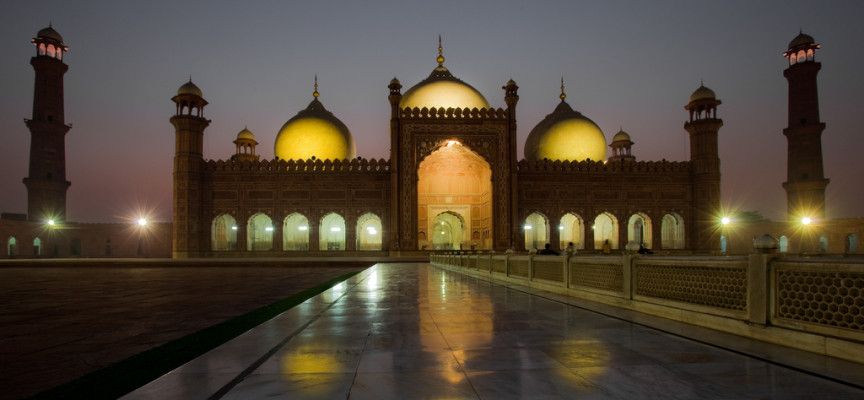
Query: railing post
507, 265
757, 288
530, 267
627, 273
566, 273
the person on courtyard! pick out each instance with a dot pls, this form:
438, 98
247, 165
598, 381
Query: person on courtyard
644, 250
607, 248
571, 249
547, 250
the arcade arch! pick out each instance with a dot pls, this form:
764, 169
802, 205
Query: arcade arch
259, 233
672, 231
639, 230
605, 228
295, 233
331, 233
369, 232
536, 231
448, 231
223, 233
571, 229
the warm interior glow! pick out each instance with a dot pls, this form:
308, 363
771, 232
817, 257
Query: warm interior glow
454, 196
725, 221
306, 137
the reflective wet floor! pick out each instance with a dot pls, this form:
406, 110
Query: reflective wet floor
413, 331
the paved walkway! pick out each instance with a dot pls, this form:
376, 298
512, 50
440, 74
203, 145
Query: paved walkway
412, 331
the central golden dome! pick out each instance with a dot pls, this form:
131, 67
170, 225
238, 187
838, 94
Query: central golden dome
566, 135
314, 132
442, 89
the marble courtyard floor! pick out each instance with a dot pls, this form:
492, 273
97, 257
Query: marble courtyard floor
59, 323
413, 331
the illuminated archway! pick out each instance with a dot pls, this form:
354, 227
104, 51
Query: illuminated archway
369, 232
784, 244
571, 229
259, 233
224, 233
37, 247
455, 179
536, 229
672, 231
823, 244
852, 243
605, 228
331, 232
295, 233
639, 230
448, 231
11, 246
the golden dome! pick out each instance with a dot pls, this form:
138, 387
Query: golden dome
566, 135
245, 134
442, 89
702, 93
314, 132
190, 88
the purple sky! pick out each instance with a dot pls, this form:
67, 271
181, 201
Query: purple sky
630, 64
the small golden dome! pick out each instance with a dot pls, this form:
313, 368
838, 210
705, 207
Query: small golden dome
190, 88
49, 33
566, 135
621, 136
245, 134
314, 132
702, 93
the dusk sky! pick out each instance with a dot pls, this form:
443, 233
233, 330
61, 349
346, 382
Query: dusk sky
625, 64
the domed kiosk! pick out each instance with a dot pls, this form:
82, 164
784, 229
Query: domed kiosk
566, 134
314, 132
442, 89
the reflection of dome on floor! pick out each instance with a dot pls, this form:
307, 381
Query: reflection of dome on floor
442, 89
314, 132
566, 135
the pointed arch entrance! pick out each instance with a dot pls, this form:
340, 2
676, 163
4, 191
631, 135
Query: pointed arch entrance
455, 184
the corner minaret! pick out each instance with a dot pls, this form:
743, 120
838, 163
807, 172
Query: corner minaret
189, 124
46, 183
703, 127
805, 181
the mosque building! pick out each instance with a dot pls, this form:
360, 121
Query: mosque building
453, 180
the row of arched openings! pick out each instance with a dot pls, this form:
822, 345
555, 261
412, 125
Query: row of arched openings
571, 229
295, 233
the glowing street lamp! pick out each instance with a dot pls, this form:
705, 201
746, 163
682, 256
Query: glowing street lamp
806, 221
51, 222
725, 221
142, 222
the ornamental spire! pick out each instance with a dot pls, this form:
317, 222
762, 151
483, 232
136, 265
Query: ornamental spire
315, 93
562, 96
440, 58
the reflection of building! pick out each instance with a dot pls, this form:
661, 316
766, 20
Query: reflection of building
453, 181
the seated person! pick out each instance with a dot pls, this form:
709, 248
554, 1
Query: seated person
547, 250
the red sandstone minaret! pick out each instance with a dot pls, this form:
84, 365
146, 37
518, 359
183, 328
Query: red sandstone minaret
805, 181
189, 124
703, 127
46, 183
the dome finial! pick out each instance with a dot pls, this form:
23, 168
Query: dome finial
562, 96
315, 93
440, 58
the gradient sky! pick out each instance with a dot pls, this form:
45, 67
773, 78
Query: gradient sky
629, 64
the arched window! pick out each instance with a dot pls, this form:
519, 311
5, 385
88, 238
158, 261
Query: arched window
224, 233
332, 232
51, 50
11, 249
672, 231
852, 243
37, 247
784, 244
639, 230
536, 231
448, 231
295, 233
571, 229
605, 228
369, 232
724, 244
259, 233
41, 49
823, 244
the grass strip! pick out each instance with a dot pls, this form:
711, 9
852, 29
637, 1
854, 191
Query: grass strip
124, 376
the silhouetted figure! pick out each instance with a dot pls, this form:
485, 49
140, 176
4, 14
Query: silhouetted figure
547, 250
607, 248
644, 250
571, 249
